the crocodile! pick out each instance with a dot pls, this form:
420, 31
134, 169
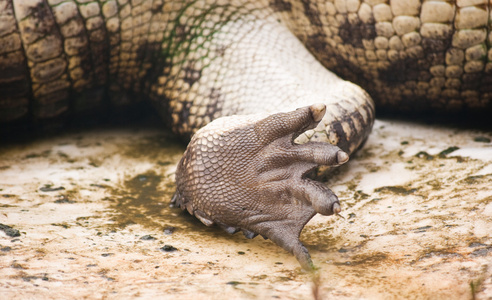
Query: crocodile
254, 84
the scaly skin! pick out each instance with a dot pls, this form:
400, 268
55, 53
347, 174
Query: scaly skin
410, 55
261, 186
197, 61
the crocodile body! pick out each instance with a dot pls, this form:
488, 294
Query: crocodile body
197, 61
58, 56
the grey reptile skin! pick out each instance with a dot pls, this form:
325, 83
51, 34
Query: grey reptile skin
199, 61
261, 186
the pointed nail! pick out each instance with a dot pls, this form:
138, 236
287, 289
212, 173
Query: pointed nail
336, 208
318, 111
342, 157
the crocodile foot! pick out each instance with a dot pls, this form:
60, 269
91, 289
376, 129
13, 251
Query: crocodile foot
245, 173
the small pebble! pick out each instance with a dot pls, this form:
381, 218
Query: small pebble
49, 188
9, 230
169, 230
168, 248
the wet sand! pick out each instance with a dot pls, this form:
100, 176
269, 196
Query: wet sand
93, 218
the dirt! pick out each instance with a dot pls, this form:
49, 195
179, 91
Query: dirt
92, 209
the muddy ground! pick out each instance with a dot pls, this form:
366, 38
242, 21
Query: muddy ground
86, 215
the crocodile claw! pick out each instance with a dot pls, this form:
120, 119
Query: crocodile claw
246, 173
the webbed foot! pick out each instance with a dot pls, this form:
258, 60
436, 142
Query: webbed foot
246, 173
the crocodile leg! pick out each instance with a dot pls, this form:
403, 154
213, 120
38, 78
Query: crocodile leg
259, 184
